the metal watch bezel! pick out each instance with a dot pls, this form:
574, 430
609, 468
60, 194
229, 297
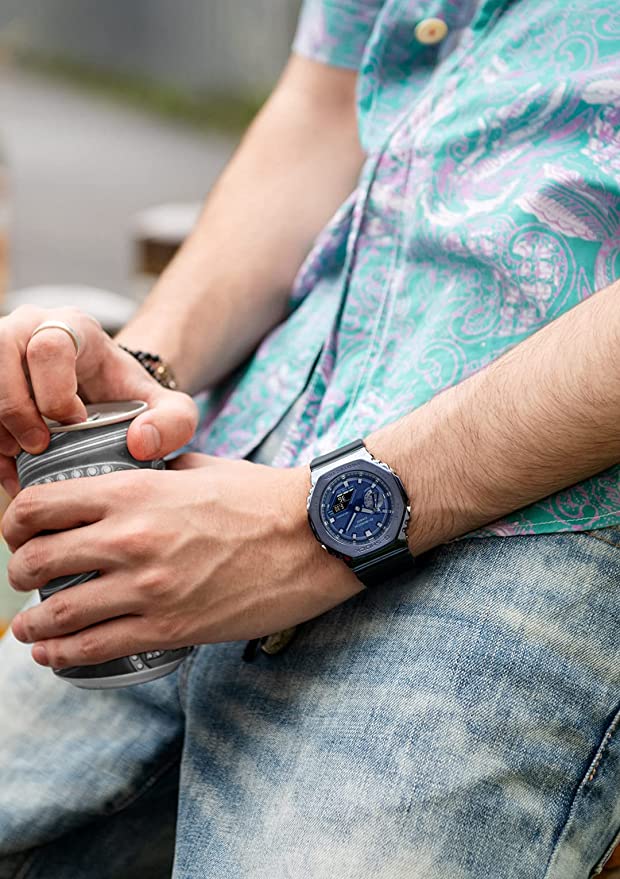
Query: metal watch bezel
394, 534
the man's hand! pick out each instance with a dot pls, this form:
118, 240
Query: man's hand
42, 376
215, 550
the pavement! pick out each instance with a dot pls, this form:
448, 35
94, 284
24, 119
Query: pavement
81, 166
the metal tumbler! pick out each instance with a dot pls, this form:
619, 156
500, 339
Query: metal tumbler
93, 448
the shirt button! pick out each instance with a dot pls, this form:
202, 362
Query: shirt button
430, 31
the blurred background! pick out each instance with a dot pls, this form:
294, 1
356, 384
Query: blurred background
115, 119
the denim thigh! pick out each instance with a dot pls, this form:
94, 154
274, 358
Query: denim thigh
457, 723
134, 843
70, 759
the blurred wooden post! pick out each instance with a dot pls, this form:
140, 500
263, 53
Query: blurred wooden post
158, 232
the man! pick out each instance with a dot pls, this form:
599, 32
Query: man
458, 717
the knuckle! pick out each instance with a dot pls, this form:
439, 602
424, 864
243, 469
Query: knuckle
89, 648
57, 655
153, 583
91, 327
71, 315
121, 482
27, 312
28, 629
45, 347
13, 574
82, 322
150, 484
11, 407
58, 409
25, 507
136, 541
61, 610
32, 561
9, 446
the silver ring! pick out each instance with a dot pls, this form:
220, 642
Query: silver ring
59, 325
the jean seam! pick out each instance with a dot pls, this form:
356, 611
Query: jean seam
584, 784
146, 786
184, 676
24, 868
34, 856
598, 536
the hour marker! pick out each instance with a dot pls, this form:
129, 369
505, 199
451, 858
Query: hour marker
346, 483
359, 481
368, 533
340, 531
331, 519
374, 485
354, 536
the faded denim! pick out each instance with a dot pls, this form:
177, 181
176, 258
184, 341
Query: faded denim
459, 723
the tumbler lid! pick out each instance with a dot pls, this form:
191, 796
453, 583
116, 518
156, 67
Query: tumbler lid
102, 414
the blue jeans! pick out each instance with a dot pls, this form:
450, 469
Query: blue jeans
457, 723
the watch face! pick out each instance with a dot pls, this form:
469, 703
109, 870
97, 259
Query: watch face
356, 510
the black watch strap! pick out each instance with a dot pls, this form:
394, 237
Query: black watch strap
337, 453
377, 571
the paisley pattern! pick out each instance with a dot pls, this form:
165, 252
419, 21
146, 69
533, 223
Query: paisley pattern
489, 204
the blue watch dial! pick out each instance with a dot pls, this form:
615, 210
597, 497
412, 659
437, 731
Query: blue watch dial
356, 507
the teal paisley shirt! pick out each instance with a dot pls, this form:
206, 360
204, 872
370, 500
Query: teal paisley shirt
488, 205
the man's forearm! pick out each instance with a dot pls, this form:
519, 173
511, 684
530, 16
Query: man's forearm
230, 283
542, 417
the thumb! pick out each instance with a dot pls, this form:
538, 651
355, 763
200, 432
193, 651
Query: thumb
168, 424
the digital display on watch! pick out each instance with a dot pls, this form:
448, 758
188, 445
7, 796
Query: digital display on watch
342, 501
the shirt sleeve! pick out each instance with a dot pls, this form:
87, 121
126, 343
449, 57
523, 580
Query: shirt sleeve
336, 31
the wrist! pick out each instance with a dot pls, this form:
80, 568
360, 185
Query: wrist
156, 367
149, 339
417, 449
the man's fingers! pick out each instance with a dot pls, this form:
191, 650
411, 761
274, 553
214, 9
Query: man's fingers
48, 556
48, 360
51, 357
56, 507
18, 413
169, 424
110, 640
8, 444
74, 609
8, 476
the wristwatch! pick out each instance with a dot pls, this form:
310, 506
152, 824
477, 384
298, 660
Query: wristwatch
359, 511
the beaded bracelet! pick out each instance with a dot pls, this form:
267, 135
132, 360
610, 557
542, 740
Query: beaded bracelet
156, 367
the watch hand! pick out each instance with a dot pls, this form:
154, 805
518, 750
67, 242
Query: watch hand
350, 521
364, 510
